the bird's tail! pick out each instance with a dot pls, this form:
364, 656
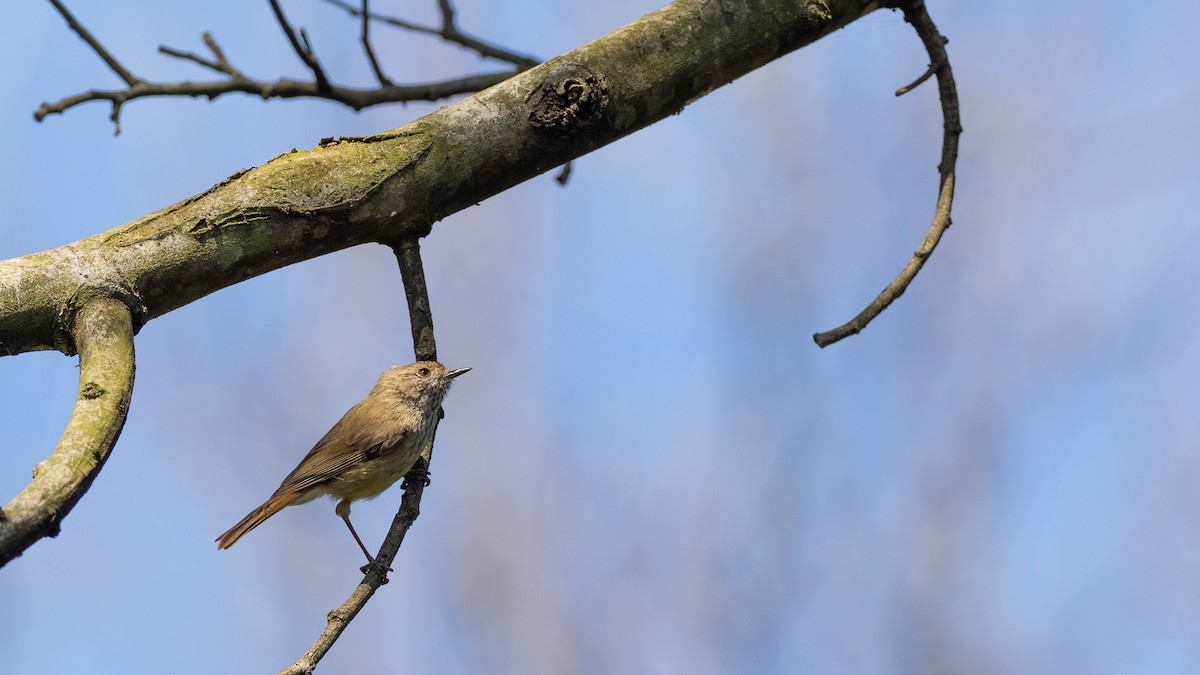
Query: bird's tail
255, 518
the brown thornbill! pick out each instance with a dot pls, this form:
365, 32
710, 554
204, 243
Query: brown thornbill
374, 444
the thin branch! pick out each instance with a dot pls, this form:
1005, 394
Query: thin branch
304, 51
412, 273
92, 42
356, 99
223, 62
105, 56
564, 174
219, 64
416, 294
447, 11
189, 56
237, 81
115, 117
449, 32
392, 21
103, 334
370, 51
916, 14
339, 619
917, 82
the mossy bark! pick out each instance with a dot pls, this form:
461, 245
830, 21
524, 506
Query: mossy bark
396, 185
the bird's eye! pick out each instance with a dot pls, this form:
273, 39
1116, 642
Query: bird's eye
423, 372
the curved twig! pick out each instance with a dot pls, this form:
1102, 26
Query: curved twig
916, 14
929, 72
103, 334
412, 272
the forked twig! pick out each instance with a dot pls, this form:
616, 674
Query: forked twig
935, 44
304, 51
368, 49
320, 87
219, 62
448, 31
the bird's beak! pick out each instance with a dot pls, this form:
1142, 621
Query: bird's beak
455, 373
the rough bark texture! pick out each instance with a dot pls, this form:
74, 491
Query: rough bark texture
395, 185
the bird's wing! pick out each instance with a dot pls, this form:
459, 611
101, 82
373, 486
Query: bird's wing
348, 443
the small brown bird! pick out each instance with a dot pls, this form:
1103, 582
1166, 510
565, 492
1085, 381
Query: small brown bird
374, 444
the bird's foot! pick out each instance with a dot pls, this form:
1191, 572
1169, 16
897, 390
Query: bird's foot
376, 565
416, 474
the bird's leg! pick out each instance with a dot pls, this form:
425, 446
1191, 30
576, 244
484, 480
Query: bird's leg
343, 511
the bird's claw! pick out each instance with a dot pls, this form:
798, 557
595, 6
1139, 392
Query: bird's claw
376, 565
416, 474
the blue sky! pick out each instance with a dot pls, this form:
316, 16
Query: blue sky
651, 468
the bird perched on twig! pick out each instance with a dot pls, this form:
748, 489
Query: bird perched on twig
374, 444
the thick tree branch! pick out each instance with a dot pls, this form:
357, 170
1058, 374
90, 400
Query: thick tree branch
412, 272
102, 330
916, 14
395, 185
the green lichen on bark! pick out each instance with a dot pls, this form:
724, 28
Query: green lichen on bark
397, 184
103, 330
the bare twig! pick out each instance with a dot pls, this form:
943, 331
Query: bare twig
211, 42
353, 98
103, 334
87, 37
416, 294
449, 32
366, 42
916, 14
917, 82
189, 56
339, 619
564, 174
320, 87
219, 64
412, 272
105, 56
304, 51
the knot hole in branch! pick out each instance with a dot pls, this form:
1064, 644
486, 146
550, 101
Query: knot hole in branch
817, 14
569, 99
